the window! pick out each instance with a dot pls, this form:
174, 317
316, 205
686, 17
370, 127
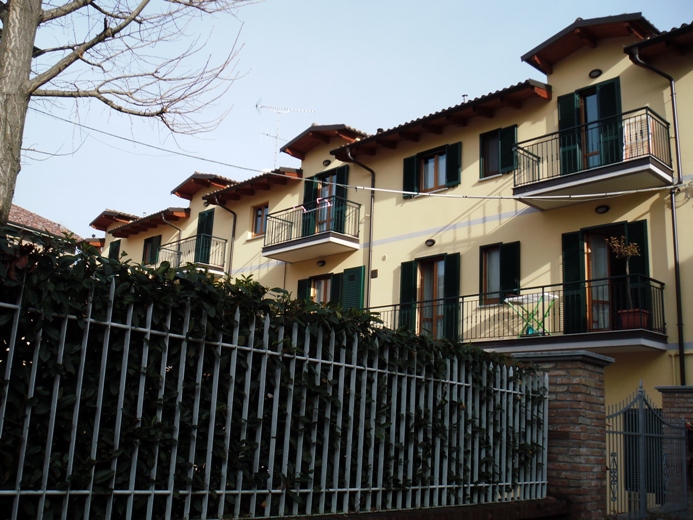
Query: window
345, 289
590, 131
324, 199
429, 296
114, 250
496, 151
150, 253
432, 170
260, 219
499, 272
203, 241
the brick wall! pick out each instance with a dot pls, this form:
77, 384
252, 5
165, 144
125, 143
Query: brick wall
677, 401
576, 468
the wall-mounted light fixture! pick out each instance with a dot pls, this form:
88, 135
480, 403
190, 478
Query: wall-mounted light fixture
595, 73
321, 263
602, 208
326, 162
430, 242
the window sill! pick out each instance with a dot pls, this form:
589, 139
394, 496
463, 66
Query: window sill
482, 179
425, 193
253, 238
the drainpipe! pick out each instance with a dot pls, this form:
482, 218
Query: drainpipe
180, 235
635, 58
233, 229
370, 229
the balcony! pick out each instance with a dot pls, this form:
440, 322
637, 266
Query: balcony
593, 314
328, 226
627, 152
204, 250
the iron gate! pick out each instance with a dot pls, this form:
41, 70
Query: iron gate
646, 460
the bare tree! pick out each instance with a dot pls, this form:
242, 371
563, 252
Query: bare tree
112, 51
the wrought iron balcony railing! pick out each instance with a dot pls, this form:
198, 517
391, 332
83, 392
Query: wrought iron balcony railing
329, 214
631, 135
199, 249
581, 307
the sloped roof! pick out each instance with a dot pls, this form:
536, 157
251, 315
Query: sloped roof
589, 32
315, 135
678, 40
151, 221
249, 187
190, 186
483, 106
109, 216
23, 218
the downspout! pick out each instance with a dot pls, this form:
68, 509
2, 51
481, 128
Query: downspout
233, 230
180, 235
370, 229
635, 58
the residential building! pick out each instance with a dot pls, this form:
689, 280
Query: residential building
489, 221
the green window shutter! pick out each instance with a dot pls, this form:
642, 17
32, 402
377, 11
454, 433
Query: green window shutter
411, 178
569, 137
203, 242
352, 296
507, 137
610, 130
453, 164
509, 269
310, 194
407, 295
154, 251
336, 284
339, 205
303, 292
451, 293
114, 250
574, 306
641, 292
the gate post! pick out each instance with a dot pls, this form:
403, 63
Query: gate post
576, 468
677, 401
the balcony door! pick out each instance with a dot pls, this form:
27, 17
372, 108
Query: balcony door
594, 282
589, 127
203, 241
328, 213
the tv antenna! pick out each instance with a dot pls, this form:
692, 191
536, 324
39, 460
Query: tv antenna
279, 111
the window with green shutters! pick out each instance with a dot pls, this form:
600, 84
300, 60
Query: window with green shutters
203, 242
150, 253
431, 170
329, 215
496, 154
590, 128
437, 278
345, 288
114, 250
499, 272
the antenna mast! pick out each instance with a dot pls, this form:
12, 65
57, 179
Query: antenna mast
279, 111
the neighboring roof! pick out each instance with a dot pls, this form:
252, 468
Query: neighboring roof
249, 187
109, 216
197, 181
150, 221
303, 143
25, 219
98, 243
483, 106
583, 33
679, 40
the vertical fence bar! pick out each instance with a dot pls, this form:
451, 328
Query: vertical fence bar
327, 426
276, 397
10, 357
302, 415
371, 427
289, 415
262, 394
182, 362
382, 419
229, 414
337, 455
350, 432
314, 421
212, 423
99, 399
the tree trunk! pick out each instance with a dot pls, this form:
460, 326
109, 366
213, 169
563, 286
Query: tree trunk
20, 21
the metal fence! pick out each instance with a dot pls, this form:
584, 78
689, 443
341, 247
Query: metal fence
329, 214
631, 135
200, 249
646, 461
605, 304
131, 411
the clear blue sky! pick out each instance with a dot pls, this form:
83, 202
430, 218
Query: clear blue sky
364, 63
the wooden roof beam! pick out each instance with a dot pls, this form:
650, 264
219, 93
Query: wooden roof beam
434, 129
483, 112
542, 93
386, 144
409, 136
457, 120
512, 103
264, 185
633, 29
586, 37
543, 64
320, 137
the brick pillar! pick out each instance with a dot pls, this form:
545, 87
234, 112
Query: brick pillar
677, 401
576, 467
